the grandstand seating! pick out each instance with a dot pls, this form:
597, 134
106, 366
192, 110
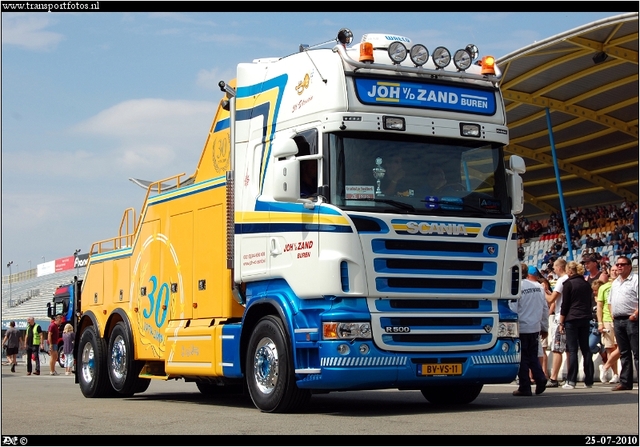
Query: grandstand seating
29, 298
535, 249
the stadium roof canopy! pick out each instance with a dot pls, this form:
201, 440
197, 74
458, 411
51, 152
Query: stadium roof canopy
585, 83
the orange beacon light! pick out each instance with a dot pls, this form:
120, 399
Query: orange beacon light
366, 52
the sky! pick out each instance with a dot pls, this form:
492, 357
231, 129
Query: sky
91, 99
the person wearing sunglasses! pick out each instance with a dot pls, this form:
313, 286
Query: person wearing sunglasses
624, 309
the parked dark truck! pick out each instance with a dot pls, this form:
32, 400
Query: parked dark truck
66, 302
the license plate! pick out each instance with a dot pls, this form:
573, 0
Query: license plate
440, 369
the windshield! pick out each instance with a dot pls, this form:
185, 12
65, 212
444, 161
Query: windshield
420, 175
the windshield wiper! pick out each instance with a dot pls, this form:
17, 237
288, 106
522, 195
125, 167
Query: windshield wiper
401, 205
455, 204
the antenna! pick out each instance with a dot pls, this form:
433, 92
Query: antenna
345, 37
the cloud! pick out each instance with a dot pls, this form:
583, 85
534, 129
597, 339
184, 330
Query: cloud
145, 138
145, 117
151, 134
37, 165
29, 32
141, 155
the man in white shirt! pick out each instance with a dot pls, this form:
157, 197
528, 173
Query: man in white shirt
532, 313
557, 341
624, 310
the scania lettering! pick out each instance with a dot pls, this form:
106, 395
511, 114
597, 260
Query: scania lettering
295, 260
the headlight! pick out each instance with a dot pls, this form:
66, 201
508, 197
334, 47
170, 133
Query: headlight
397, 52
462, 60
419, 54
508, 329
345, 331
473, 51
441, 57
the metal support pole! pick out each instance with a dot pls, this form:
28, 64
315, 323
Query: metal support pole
560, 194
9, 264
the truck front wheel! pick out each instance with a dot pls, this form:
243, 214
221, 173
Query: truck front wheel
269, 369
61, 355
123, 369
92, 374
452, 395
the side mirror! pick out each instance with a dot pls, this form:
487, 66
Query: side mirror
283, 147
516, 192
516, 164
286, 180
514, 183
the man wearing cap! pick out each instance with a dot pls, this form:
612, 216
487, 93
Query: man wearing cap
592, 269
534, 275
592, 272
532, 313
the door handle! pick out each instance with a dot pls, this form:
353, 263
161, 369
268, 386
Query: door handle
275, 247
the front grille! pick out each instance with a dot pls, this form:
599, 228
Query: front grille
412, 246
434, 325
431, 322
433, 264
441, 293
432, 283
436, 338
434, 304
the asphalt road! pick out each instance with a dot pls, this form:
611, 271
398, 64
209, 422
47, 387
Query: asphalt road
178, 408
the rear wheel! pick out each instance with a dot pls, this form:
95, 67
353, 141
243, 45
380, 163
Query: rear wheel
451, 395
123, 369
92, 364
269, 369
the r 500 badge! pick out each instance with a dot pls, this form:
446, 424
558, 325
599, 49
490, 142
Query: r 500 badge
397, 329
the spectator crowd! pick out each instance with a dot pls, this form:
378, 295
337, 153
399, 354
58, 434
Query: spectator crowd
591, 303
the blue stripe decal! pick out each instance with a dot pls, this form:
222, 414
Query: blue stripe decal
278, 83
195, 191
222, 125
111, 257
284, 207
250, 90
289, 228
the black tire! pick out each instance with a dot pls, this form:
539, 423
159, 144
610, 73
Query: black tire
123, 369
141, 385
92, 365
61, 355
269, 369
452, 395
